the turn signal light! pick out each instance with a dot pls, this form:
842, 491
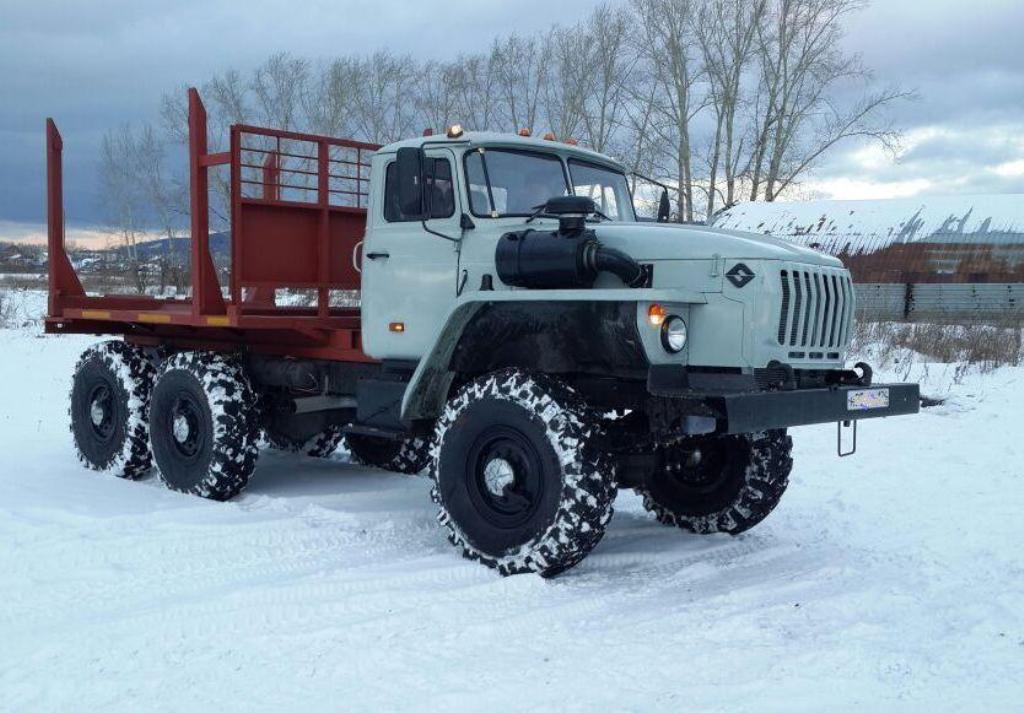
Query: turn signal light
656, 315
396, 327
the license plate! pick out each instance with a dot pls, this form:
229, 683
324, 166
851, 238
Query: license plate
867, 399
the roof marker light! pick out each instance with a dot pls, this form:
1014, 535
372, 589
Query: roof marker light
455, 131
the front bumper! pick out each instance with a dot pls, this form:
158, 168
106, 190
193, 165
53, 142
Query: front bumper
746, 411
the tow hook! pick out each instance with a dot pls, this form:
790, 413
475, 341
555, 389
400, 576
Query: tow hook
846, 426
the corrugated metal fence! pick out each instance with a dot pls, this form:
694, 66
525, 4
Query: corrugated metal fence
982, 302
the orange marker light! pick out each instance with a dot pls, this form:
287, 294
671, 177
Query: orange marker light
572, 142
396, 327
524, 132
550, 136
656, 315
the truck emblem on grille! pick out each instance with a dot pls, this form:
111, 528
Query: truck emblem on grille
740, 275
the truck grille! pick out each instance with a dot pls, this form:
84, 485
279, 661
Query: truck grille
817, 308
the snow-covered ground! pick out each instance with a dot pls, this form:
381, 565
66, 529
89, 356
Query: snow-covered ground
893, 580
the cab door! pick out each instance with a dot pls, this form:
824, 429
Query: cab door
409, 274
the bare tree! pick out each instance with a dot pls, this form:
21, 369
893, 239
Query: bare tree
799, 119
727, 31
384, 99
124, 199
564, 93
279, 87
520, 69
712, 97
438, 96
666, 37
475, 90
610, 67
329, 103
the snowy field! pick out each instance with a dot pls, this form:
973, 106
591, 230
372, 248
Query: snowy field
893, 580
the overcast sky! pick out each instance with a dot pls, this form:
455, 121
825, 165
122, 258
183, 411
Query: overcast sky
93, 65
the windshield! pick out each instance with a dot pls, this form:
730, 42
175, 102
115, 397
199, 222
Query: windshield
607, 187
504, 182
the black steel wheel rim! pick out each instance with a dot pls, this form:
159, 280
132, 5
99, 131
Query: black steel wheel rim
699, 468
506, 483
186, 426
101, 411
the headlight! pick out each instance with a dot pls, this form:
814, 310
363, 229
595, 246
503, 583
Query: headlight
673, 334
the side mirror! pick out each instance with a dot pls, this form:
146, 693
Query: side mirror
409, 165
664, 208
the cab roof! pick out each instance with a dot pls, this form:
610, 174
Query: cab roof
495, 139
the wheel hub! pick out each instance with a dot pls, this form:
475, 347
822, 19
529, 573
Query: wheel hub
504, 476
186, 434
698, 467
101, 411
180, 428
498, 476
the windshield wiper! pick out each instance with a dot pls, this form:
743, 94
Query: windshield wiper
539, 212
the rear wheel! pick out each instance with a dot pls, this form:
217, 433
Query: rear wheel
203, 425
409, 455
710, 484
109, 409
520, 479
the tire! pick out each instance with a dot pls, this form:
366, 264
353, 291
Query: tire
204, 425
307, 434
109, 409
410, 455
531, 437
711, 484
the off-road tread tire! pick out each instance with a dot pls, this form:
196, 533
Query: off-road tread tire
588, 480
134, 374
233, 406
409, 456
766, 478
322, 445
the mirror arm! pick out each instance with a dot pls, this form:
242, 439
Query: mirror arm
449, 238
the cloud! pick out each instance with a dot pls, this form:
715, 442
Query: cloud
95, 65
98, 64
86, 237
935, 159
964, 133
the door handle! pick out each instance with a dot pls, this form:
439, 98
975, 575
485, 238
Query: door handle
374, 256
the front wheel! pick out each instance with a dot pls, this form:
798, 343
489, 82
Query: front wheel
520, 478
710, 484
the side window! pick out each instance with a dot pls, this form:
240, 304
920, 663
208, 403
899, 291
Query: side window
439, 187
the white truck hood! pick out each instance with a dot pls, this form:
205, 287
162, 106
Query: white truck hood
668, 241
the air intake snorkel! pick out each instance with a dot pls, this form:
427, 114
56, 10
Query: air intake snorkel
572, 257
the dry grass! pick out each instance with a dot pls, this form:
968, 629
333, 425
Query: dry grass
981, 347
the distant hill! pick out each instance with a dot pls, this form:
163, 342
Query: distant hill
177, 248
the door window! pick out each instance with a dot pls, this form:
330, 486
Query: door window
439, 190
